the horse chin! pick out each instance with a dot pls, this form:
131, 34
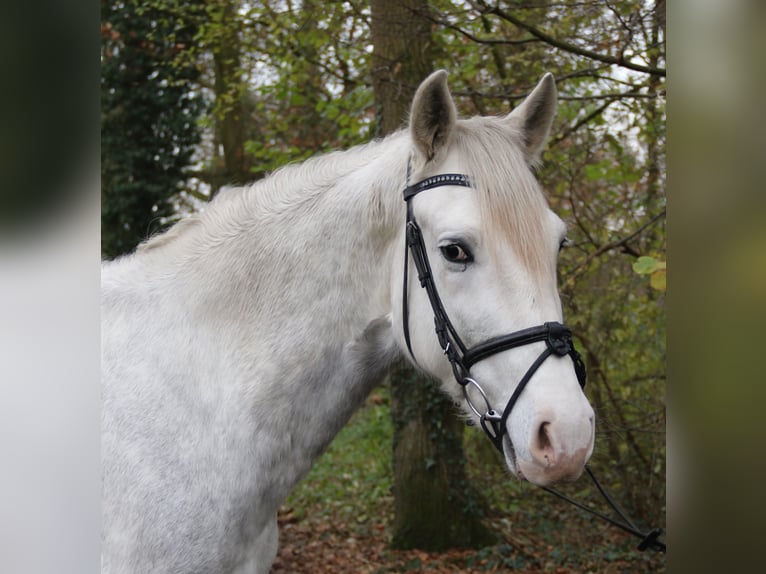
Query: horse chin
538, 477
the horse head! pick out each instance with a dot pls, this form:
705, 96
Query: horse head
484, 245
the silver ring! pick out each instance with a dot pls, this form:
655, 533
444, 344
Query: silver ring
468, 381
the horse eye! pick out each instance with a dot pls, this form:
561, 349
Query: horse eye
456, 253
566, 242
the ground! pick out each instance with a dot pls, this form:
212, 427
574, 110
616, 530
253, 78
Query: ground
308, 547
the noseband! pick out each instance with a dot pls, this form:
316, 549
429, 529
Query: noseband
557, 337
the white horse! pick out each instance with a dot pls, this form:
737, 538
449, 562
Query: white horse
237, 344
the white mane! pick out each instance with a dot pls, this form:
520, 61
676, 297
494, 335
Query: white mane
294, 189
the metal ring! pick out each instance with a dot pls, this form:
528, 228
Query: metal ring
466, 382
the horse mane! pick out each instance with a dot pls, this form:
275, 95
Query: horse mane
165, 237
510, 200
288, 188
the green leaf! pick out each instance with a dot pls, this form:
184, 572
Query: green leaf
646, 265
332, 111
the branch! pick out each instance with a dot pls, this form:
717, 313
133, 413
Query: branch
623, 243
609, 97
577, 218
586, 72
491, 41
571, 48
594, 365
197, 194
569, 131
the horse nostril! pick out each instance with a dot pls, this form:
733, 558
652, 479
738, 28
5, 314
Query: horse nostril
558, 450
544, 445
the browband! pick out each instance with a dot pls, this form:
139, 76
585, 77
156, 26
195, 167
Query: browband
437, 181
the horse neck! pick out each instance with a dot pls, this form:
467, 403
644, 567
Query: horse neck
310, 231
275, 296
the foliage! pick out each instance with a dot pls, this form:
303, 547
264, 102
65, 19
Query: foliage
646, 265
290, 75
315, 99
148, 119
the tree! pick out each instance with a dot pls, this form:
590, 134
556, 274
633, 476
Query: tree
435, 507
285, 83
149, 118
317, 97
230, 102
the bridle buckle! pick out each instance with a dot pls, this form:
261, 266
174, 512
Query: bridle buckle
559, 339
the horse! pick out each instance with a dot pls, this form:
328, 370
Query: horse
237, 344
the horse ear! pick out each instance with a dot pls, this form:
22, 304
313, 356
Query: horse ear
433, 115
535, 115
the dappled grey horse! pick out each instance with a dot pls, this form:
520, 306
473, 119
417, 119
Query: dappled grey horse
238, 343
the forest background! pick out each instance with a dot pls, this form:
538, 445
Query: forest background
199, 95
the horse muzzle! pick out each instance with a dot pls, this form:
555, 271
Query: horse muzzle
554, 450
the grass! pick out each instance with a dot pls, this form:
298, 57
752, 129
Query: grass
353, 479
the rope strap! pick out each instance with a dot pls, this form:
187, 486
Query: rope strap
649, 540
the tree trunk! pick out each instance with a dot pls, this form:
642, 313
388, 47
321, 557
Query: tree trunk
229, 98
401, 59
435, 508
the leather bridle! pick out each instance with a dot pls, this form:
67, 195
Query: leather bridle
557, 337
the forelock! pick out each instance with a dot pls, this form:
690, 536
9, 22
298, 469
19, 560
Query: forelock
511, 202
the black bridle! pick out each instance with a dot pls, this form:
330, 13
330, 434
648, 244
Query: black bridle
557, 339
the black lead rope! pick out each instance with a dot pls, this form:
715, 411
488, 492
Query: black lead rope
649, 540
557, 337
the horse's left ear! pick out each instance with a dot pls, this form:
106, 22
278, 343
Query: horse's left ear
433, 115
534, 117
